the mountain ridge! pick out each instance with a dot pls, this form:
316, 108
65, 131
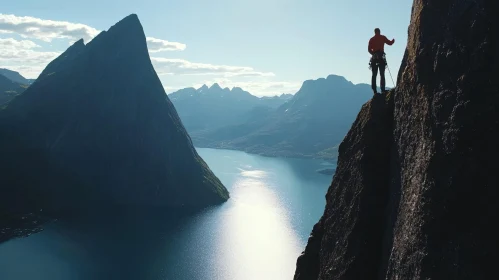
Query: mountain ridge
296, 128
212, 107
15, 76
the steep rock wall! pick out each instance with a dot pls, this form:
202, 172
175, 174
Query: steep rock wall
436, 184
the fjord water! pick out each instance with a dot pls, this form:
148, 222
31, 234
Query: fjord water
257, 234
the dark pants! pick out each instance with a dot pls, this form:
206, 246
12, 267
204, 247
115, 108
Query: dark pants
381, 66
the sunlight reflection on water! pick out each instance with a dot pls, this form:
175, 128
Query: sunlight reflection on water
258, 233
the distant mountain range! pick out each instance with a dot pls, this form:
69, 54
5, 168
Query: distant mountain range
11, 84
311, 123
15, 77
97, 131
213, 107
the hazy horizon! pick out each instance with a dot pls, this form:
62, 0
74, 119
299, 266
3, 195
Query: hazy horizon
265, 48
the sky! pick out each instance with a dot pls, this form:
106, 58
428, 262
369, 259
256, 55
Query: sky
267, 47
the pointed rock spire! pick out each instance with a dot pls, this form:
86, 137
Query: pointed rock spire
102, 120
203, 88
215, 86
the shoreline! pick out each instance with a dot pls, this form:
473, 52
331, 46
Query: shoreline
20, 225
289, 155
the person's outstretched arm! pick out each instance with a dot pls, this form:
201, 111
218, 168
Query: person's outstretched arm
388, 42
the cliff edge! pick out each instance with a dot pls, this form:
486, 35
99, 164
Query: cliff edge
415, 192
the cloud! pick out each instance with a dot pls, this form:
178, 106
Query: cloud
250, 74
13, 50
174, 66
158, 45
22, 56
27, 56
16, 44
47, 30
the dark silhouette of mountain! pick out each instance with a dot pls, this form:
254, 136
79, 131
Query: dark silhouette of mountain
9, 89
97, 130
15, 77
415, 192
213, 107
311, 124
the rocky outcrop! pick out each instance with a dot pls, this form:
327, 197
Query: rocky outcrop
96, 129
415, 192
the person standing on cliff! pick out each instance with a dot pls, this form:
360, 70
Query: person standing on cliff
376, 48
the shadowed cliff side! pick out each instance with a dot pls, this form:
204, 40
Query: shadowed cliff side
446, 134
422, 208
356, 201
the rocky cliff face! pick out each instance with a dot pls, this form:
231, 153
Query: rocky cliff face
97, 129
415, 192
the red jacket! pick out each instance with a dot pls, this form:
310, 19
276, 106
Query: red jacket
377, 43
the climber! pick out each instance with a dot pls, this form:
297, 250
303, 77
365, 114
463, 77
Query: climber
378, 60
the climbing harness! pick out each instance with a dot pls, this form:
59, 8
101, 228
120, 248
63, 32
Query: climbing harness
379, 59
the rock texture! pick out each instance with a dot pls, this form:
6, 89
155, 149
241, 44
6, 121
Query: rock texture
356, 201
97, 129
415, 192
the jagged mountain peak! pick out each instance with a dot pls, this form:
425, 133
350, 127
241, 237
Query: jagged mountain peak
78, 44
337, 79
215, 86
203, 88
129, 28
126, 37
63, 60
331, 82
121, 41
